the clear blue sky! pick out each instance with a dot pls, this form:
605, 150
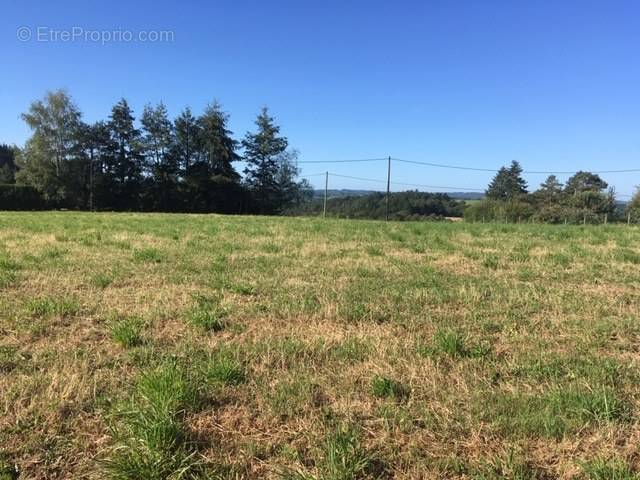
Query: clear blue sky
554, 84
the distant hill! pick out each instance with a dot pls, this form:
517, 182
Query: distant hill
361, 193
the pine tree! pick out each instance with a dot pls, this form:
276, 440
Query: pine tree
550, 190
217, 145
508, 183
262, 152
187, 140
158, 134
126, 158
96, 146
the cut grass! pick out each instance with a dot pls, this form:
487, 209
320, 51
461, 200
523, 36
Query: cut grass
342, 349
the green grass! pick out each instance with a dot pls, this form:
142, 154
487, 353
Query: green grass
383, 387
207, 315
226, 368
9, 358
341, 457
127, 331
49, 306
8, 471
150, 438
614, 469
205, 346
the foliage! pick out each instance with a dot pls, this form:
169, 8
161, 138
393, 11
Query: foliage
21, 197
633, 207
515, 210
402, 206
271, 170
8, 165
185, 165
581, 200
508, 183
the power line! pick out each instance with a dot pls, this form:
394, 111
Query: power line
345, 161
459, 167
419, 185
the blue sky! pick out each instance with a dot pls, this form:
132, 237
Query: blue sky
554, 84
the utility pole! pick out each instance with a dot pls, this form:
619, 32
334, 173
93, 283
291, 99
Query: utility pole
326, 187
91, 180
388, 186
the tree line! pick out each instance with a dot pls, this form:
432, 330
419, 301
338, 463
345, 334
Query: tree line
185, 164
584, 198
411, 205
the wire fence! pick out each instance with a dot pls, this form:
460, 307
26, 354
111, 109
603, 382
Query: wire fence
360, 186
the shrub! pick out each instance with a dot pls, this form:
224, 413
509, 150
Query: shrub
498, 210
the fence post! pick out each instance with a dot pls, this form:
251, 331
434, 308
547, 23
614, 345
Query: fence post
628, 218
606, 217
584, 219
326, 187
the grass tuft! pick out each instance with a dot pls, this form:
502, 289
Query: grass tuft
207, 315
48, 307
225, 368
8, 471
127, 331
148, 255
101, 280
614, 469
384, 387
341, 457
151, 440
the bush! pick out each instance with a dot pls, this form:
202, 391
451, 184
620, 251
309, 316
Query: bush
498, 210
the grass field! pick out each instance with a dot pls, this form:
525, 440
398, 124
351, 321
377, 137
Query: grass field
181, 346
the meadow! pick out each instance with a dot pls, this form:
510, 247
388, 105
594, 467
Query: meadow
203, 346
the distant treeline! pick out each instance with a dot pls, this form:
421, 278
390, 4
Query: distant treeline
584, 198
185, 164
410, 205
